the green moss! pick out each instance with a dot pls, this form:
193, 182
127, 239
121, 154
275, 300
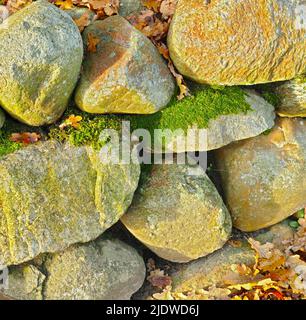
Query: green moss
7, 146
204, 105
89, 130
272, 98
207, 103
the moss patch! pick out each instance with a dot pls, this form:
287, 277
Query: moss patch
89, 130
207, 103
7, 146
272, 98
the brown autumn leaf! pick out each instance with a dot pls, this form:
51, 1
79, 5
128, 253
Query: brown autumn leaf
268, 258
158, 279
83, 21
15, 5
164, 51
152, 4
92, 43
25, 137
167, 8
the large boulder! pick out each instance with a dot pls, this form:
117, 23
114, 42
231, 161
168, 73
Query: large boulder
178, 213
106, 269
292, 95
217, 117
2, 118
238, 42
54, 195
264, 178
41, 53
123, 72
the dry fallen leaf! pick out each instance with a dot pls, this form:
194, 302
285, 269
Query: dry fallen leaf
152, 4
64, 4
92, 43
71, 121
25, 137
158, 279
83, 21
167, 8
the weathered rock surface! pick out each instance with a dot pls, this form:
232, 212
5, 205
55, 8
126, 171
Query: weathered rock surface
238, 42
54, 195
292, 96
177, 214
123, 72
216, 268
2, 119
264, 178
41, 53
128, 7
106, 269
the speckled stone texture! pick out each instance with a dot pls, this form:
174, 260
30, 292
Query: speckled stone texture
54, 195
128, 7
292, 96
264, 178
177, 214
216, 268
41, 53
238, 42
124, 73
106, 269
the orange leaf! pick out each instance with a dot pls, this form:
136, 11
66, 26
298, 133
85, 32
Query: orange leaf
64, 4
92, 43
25, 137
72, 121
152, 4
83, 21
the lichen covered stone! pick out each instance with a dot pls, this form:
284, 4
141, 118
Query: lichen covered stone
41, 53
292, 95
54, 195
178, 213
238, 42
264, 178
106, 269
123, 72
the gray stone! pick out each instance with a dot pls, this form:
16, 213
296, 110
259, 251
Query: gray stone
128, 7
106, 269
292, 96
41, 53
54, 195
178, 213
264, 178
124, 72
